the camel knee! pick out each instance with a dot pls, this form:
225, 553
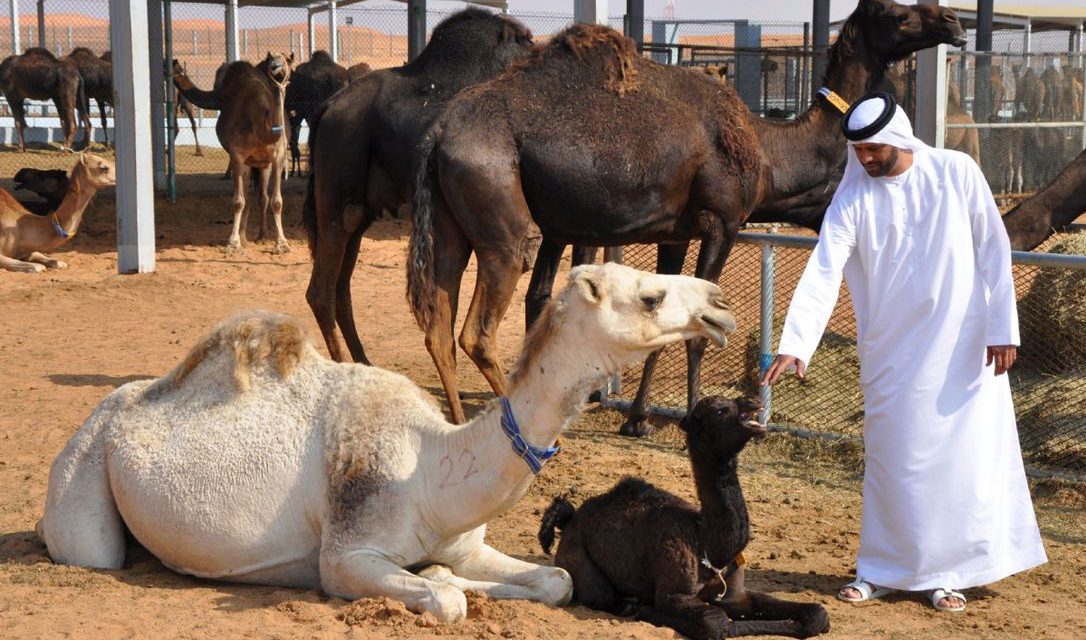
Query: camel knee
478, 349
556, 588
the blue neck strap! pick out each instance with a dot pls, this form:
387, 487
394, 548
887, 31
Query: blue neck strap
534, 456
59, 229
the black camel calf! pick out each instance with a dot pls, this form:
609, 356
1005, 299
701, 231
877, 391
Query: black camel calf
49, 184
679, 567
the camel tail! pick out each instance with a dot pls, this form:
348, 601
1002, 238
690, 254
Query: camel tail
557, 516
421, 289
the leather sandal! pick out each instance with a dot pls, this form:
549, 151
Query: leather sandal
937, 596
867, 591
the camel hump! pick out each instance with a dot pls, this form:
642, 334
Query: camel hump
255, 341
599, 47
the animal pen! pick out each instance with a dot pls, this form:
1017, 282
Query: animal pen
1021, 105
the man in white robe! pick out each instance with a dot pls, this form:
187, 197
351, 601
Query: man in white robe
917, 235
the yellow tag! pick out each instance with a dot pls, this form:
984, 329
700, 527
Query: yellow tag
834, 99
740, 560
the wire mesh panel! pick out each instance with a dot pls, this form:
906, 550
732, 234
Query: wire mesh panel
1048, 382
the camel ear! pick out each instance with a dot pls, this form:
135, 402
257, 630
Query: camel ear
587, 282
291, 58
83, 158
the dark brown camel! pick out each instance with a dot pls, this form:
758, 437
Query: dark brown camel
183, 106
1050, 209
51, 185
362, 149
311, 84
599, 146
197, 96
639, 550
97, 75
38, 75
253, 129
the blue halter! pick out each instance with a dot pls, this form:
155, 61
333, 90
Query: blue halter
534, 456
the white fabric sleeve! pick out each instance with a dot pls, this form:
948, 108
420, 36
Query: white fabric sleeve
818, 288
992, 249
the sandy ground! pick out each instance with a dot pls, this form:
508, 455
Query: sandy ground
69, 337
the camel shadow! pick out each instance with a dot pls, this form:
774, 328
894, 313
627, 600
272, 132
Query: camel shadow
94, 379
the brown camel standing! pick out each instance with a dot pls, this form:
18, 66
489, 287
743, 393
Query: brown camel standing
253, 129
362, 148
1050, 209
596, 145
38, 75
311, 84
24, 237
97, 75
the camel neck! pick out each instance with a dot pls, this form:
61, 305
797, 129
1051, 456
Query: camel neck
543, 400
70, 212
725, 527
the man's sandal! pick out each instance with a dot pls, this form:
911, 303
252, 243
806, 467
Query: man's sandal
938, 595
867, 591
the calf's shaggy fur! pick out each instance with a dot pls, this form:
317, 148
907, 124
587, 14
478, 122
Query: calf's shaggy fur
661, 572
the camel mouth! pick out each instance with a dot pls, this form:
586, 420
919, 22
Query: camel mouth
749, 421
717, 329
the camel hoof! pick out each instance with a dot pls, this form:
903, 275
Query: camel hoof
636, 428
437, 573
31, 267
59, 264
67, 149
281, 247
234, 246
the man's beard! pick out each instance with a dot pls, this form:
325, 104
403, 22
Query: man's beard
881, 169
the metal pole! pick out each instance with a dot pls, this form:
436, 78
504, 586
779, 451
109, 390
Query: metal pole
41, 23
311, 43
232, 30
171, 108
1027, 37
161, 77
635, 20
983, 108
820, 42
765, 339
13, 11
416, 28
69, 38
804, 84
333, 46
132, 134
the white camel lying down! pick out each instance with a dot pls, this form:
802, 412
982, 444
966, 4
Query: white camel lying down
258, 460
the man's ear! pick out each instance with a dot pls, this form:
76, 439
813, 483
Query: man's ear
587, 282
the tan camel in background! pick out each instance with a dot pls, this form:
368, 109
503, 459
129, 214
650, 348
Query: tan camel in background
259, 460
24, 236
253, 129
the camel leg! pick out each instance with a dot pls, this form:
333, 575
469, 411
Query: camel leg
669, 260
261, 187
281, 244
328, 260
18, 111
689, 616
499, 576
48, 261
583, 255
237, 234
11, 264
451, 258
494, 286
543, 273
105, 131
67, 114
344, 306
354, 574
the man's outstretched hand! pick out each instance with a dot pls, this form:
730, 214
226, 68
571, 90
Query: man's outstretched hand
1004, 356
783, 363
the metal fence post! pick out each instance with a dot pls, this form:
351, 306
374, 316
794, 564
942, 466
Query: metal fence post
13, 11
765, 338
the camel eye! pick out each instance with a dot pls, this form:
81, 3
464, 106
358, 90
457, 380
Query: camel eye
902, 19
653, 301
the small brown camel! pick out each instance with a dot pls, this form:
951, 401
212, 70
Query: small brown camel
363, 152
24, 236
253, 129
1050, 209
97, 75
598, 146
39, 75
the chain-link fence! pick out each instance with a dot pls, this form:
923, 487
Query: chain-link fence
1048, 382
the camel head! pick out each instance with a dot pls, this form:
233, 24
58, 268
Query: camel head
630, 313
722, 425
279, 66
893, 31
97, 172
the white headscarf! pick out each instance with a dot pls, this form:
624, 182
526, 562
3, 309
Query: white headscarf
898, 132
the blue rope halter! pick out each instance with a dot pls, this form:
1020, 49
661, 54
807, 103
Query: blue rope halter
534, 456
59, 229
